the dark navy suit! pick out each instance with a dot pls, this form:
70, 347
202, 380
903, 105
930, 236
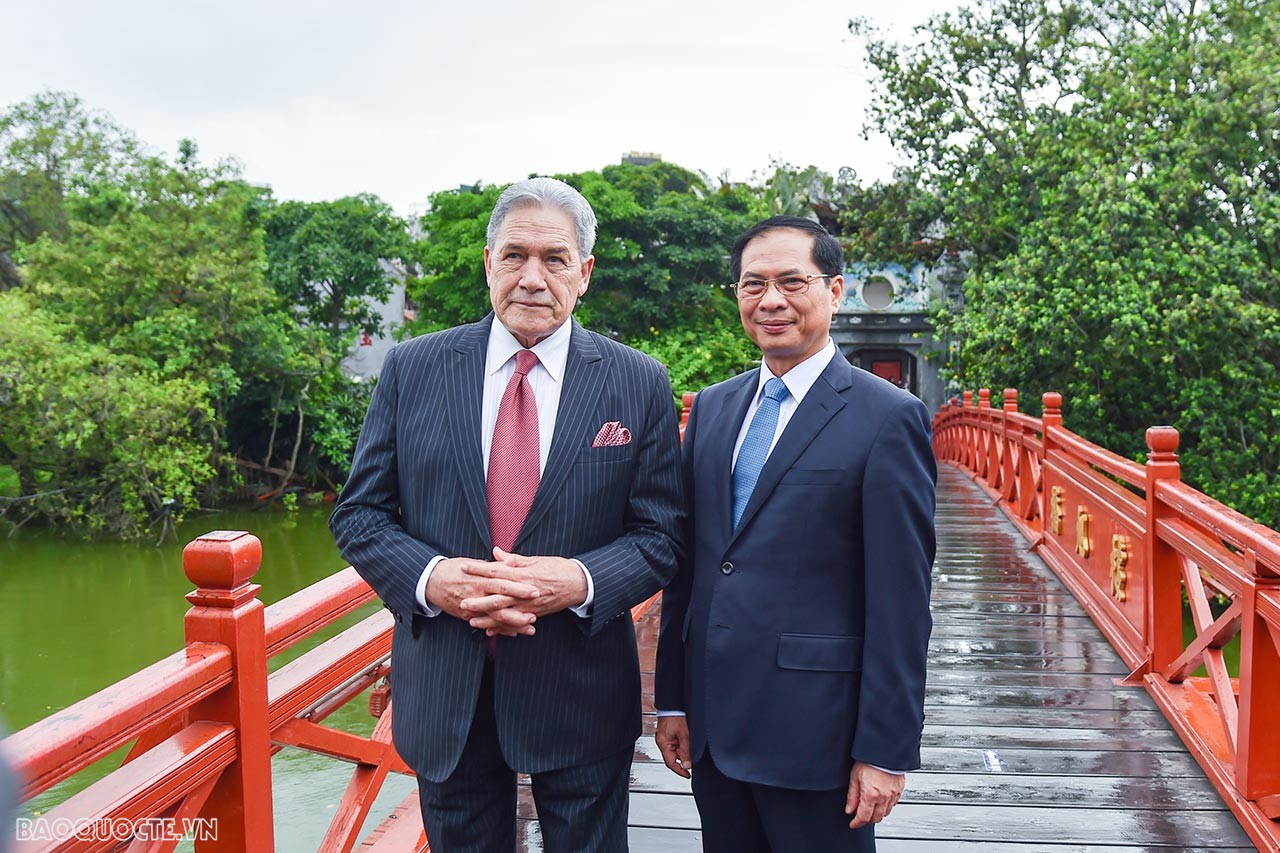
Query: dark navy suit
570, 694
797, 643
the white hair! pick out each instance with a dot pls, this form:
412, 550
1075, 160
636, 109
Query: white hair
551, 192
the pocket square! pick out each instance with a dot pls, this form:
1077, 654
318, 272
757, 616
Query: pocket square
612, 434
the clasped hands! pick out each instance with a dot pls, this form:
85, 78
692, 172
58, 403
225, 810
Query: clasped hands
506, 596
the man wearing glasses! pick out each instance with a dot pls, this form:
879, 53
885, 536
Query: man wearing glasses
791, 659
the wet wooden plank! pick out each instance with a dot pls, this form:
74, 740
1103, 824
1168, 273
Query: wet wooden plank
1047, 697
896, 845
1062, 664
1168, 828
982, 787
1005, 789
984, 823
1047, 678
1000, 621
1049, 718
1026, 737
951, 629
1019, 647
1158, 767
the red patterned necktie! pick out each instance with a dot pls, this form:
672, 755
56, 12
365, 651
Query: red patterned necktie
513, 456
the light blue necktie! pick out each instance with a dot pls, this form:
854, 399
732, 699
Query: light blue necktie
755, 447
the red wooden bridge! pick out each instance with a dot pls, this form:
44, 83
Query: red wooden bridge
1065, 708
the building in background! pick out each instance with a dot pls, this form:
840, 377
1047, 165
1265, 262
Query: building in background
370, 349
883, 324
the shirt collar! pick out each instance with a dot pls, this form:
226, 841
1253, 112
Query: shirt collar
800, 378
552, 351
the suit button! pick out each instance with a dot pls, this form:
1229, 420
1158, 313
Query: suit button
478, 635
727, 568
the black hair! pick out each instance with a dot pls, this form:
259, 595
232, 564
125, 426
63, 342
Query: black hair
827, 255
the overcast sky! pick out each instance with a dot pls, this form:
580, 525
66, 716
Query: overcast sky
321, 99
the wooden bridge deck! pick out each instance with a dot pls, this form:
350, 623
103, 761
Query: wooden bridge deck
1029, 742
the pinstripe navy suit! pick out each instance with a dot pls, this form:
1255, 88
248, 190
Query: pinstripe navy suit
570, 694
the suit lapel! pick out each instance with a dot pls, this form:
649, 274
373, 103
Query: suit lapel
465, 397
584, 377
720, 454
819, 406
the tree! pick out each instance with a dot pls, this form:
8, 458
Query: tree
965, 102
451, 288
332, 259
170, 271
102, 444
52, 147
1121, 182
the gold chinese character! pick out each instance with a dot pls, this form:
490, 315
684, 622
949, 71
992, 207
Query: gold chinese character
1083, 545
1056, 512
1119, 562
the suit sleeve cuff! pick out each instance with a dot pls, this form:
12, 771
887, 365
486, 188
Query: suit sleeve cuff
421, 592
583, 609
887, 770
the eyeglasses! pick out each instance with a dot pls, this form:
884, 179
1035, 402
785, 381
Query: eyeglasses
788, 285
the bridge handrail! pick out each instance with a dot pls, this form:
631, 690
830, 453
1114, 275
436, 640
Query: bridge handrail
1107, 461
1238, 530
312, 609
59, 746
1165, 538
208, 715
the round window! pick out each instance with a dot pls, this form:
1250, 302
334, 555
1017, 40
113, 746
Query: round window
877, 292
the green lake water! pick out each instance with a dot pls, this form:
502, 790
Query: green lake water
76, 617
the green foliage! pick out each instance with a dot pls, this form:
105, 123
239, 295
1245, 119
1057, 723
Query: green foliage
1120, 179
173, 277
890, 221
52, 150
9, 485
156, 284
337, 414
103, 443
702, 356
330, 259
451, 288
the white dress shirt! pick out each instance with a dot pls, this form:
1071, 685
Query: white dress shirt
798, 380
546, 379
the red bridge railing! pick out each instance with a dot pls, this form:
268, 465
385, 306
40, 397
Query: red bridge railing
205, 721
1130, 541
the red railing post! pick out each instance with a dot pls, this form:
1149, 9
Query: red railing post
1164, 575
1012, 448
1051, 419
970, 434
986, 438
225, 609
1258, 752
1052, 402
